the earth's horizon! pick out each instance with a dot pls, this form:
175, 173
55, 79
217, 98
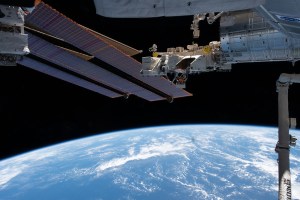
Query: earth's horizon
197, 161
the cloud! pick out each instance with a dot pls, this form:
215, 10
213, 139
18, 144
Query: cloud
9, 173
148, 151
265, 164
295, 190
295, 173
15, 166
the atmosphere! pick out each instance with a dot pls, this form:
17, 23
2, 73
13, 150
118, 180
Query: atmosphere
38, 110
164, 99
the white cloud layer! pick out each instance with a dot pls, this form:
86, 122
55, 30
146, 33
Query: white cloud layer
157, 149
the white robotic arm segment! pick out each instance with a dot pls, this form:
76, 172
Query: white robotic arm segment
289, 78
285, 140
195, 24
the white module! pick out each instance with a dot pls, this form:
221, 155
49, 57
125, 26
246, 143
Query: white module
177, 63
13, 40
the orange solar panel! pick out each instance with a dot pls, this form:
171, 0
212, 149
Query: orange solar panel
50, 70
53, 22
76, 66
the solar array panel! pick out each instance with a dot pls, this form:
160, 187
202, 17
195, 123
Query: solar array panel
75, 65
122, 47
53, 22
49, 70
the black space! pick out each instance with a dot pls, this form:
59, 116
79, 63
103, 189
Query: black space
37, 110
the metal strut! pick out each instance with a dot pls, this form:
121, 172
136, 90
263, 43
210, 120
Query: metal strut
285, 140
282, 146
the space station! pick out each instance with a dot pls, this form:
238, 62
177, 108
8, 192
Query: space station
36, 36
245, 36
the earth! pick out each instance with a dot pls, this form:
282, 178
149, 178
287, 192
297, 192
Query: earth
166, 162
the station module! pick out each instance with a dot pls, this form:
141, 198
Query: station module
245, 36
13, 40
177, 63
250, 31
